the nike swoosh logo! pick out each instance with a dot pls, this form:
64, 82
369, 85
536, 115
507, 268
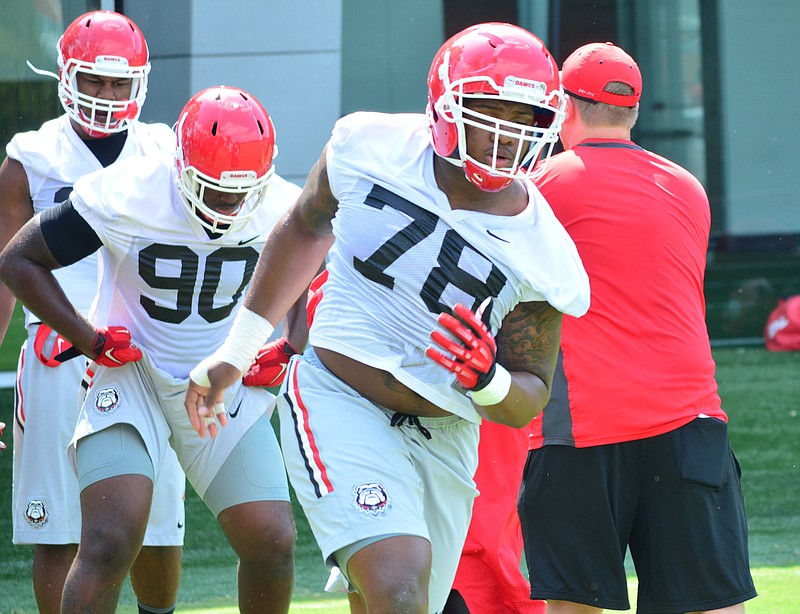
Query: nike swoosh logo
280, 375
491, 234
235, 412
249, 240
180, 525
108, 354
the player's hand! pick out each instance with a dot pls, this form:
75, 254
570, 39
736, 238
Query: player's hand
2, 426
203, 401
270, 365
471, 348
113, 347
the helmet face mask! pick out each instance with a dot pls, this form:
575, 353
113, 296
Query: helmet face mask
103, 44
226, 145
494, 61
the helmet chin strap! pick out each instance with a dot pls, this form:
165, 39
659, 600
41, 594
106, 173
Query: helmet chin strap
39, 71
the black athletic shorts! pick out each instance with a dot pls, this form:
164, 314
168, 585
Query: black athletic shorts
675, 500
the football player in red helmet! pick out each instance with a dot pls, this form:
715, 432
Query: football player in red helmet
177, 244
447, 276
103, 63
103, 66
474, 70
226, 148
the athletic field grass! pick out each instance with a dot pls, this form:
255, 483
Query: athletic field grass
760, 391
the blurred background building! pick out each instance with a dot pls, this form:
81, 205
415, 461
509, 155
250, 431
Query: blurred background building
720, 89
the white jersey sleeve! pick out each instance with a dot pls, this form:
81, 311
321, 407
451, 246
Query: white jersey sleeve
176, 288
402, 256
54, 158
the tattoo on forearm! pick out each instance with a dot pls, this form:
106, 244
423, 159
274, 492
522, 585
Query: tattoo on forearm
529, 340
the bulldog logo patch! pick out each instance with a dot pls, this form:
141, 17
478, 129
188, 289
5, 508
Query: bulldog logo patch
106, 401
371, 498
36, 513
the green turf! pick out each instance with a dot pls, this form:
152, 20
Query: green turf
761, 393
9, 350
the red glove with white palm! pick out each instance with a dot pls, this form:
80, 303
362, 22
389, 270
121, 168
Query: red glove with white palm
473, 352
473, 356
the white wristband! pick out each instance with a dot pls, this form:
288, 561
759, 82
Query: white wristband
495, 391
247, 334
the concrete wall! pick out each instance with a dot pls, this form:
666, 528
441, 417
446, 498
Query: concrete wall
287, 53
387, 50
759, 51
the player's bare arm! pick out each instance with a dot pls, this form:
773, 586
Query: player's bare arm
527, 346
16, 207
295, 251
26, 266
294, 254
508, 378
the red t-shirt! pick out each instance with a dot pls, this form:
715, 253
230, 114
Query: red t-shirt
639, 363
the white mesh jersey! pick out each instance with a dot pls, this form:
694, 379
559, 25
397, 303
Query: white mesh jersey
176, 289
402, 256
54, 158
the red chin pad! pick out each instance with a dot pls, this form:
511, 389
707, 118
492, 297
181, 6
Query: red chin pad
130, 112
485, 181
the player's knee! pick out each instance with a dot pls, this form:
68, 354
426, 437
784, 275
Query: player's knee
271, 548
404, 596
402, 588
109, 548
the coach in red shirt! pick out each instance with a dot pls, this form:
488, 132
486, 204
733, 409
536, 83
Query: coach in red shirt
632, 450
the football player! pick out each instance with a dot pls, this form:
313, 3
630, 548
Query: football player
178, 237
434, 235
103, 64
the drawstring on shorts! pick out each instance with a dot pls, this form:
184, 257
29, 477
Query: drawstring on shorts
399, 419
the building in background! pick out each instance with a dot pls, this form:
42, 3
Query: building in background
719, 93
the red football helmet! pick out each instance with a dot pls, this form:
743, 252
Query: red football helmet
226, 142
106, 44
494, 60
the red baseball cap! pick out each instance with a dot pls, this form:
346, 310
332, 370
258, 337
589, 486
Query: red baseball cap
588, 70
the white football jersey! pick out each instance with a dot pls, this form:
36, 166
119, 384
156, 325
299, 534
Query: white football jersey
176, 289
402, 256
54, 158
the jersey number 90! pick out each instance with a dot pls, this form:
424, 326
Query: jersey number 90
184, 284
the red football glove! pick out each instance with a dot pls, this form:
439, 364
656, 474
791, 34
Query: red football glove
60, 352
473, 352
112, 347
270, 365
315, 295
